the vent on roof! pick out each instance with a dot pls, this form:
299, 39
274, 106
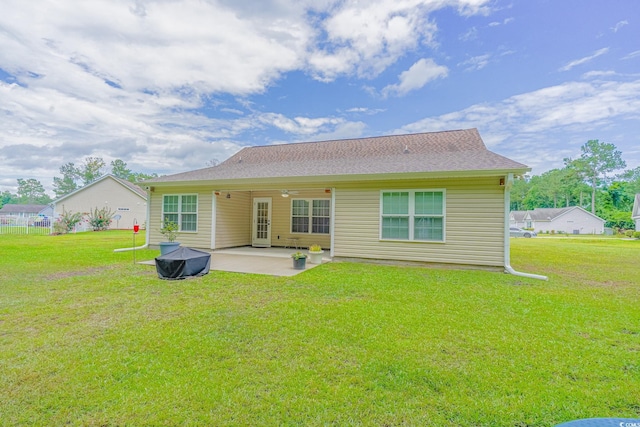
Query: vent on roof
406, 149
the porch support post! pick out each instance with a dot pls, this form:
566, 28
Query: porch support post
333, 220
213, 219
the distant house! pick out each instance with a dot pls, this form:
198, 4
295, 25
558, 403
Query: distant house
572, 220
635, 213
439, 197
127, 201
520, 219
25, 211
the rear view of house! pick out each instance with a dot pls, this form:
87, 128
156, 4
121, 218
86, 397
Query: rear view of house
430, 197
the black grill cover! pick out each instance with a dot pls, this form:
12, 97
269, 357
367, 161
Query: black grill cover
183, 263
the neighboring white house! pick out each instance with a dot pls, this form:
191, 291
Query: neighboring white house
25, 211
127, 201
572, 220
520, 219
635, 213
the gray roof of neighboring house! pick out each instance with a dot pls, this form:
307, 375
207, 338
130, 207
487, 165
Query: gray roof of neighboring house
141, 191
549, 214
519, 215
11, 208
131, 186
449, 151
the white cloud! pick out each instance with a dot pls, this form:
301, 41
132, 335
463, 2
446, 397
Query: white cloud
341, 131
597, 74
366, 37
469, 35
476, 62
536, 122
302, 126
498, 23
418, 75
232, 111
619, 25
365, 110
633, 54
128, 78
584, 60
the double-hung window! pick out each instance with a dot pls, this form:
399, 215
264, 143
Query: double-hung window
416, 215
181, 209
310, 216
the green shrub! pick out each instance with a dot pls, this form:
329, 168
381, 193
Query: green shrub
629, 233
169, 230
66, 221
636, 234
100, 219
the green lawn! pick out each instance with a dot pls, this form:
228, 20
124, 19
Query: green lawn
88, 338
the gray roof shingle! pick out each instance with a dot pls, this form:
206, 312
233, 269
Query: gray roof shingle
11, 208
449, 151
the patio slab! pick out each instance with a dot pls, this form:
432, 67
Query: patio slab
270, 261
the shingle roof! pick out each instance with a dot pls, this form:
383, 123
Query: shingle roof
17, 208
519, 215
131, 186
549, 214
449, 151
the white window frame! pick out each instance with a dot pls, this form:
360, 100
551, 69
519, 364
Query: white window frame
411, 214
310, 216
180, 213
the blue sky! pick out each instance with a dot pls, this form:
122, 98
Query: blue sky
169, 85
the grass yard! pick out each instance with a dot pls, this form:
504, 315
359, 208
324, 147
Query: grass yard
88, 338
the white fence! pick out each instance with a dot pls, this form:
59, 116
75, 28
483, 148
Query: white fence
26, 225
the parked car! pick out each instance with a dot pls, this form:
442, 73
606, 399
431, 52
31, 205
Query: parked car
519, 232
42, 222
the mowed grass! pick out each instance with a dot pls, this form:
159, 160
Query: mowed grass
88, 338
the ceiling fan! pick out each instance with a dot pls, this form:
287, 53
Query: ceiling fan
286, 193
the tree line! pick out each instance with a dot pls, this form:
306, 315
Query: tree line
586, 182
583, 181
31, 191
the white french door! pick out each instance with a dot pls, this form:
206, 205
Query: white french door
261, 233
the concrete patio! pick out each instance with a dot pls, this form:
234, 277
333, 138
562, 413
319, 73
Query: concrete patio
247, 259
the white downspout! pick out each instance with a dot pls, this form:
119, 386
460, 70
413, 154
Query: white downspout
131, 249
332, 225
507, 238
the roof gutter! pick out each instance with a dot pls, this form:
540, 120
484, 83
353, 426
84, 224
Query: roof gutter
242, 182
507, 238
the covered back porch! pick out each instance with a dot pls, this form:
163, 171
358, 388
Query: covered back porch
289, 219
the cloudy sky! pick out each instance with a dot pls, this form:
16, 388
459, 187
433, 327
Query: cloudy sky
169, 85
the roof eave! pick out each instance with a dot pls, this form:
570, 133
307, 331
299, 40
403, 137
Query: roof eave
339, 178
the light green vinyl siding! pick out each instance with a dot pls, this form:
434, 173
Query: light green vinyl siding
474, 223
233, 219
281, 218
195, 239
